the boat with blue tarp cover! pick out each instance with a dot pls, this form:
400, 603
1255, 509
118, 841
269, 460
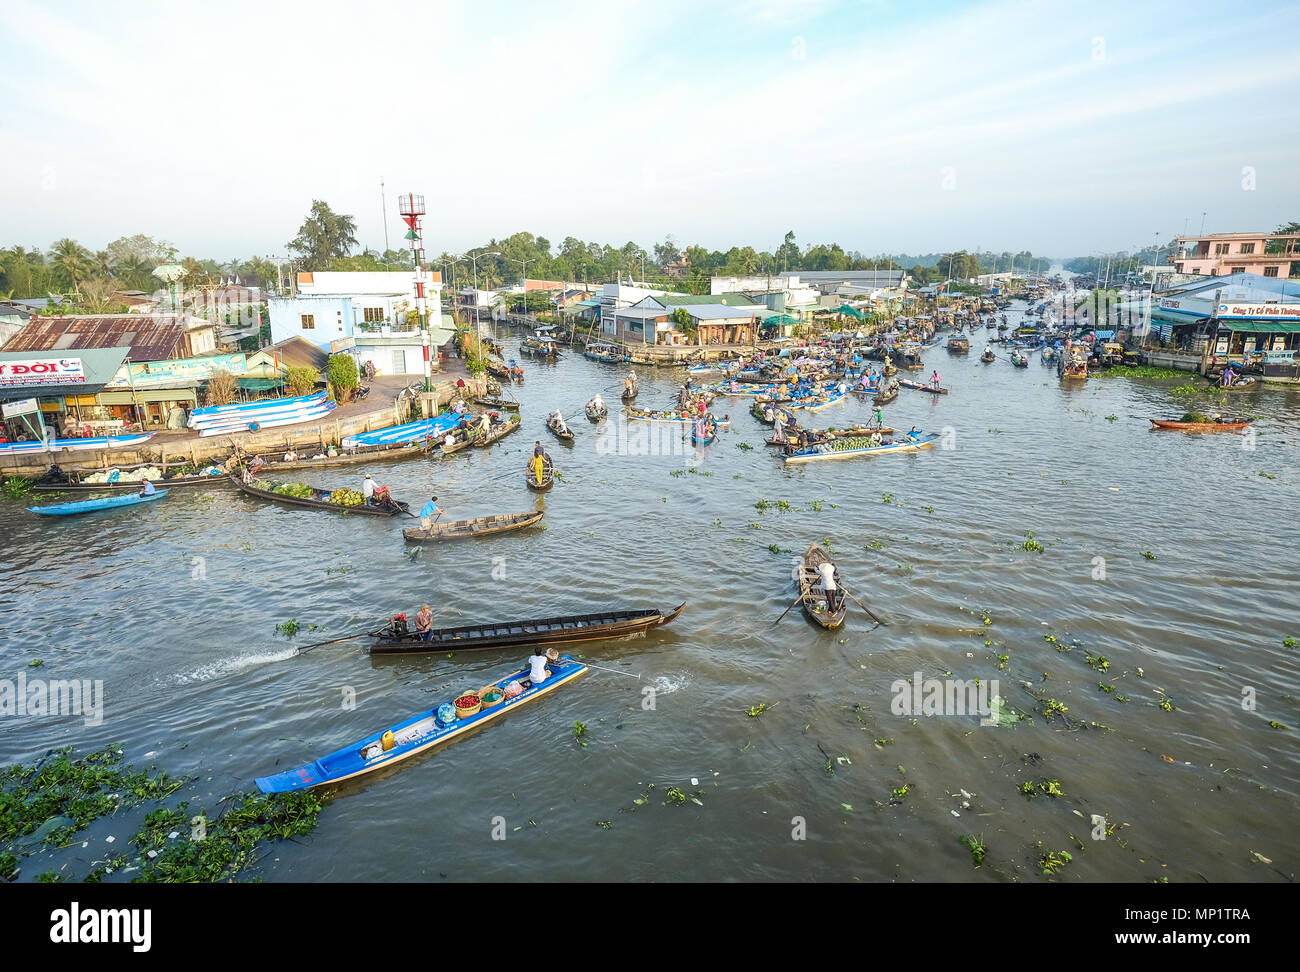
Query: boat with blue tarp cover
92, 505
420, 733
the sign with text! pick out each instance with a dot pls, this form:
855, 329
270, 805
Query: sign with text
56, 371
149, 373
25, 406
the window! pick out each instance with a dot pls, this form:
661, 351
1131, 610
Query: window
1238, 270
1248, 248
1220, 249
1270, 271
374, 315
1196, 271
309, 322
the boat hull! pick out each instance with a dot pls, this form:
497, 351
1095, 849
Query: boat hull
483, 526
926, 442
94, 505
1200, 426
563, 629
420, 733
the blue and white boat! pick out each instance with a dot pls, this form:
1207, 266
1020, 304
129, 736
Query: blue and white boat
91, 505
829, 450
410, 432
94, 442
420, 733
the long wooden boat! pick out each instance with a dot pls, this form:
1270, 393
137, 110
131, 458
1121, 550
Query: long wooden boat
501, 403
48, 485
497, 433
92, 505
988, 357
678, 417
318, 500
420, 733
630, 393
565, 435
482, 526
843, 449
548, 475
811, 593
1231, 426
380, 454
562, 629
918, 386
887, 395
961, 345
456, 445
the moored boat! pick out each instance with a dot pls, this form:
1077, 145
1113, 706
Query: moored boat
420, 733
562, 629
94, 505
497, 432
501, 403
482, 526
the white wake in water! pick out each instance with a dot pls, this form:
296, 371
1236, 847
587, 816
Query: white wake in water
229, 666
668, 684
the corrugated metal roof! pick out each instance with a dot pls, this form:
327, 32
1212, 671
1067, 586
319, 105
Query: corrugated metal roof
150, 337
298, 352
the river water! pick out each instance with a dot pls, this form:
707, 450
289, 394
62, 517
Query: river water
175, 608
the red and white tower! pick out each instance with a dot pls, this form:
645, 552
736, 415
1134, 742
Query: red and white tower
411, 207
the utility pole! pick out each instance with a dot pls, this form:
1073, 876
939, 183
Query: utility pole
383, 202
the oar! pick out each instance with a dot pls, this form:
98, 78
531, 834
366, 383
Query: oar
787, 610
334, 641
863, 606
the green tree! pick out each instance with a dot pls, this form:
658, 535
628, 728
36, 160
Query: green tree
324, 236
72, 262
343, 375
787, 255
301, 381
1287, 229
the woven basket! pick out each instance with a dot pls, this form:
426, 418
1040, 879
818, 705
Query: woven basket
466, 713
495, 690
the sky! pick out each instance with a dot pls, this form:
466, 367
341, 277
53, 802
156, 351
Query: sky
1061, 128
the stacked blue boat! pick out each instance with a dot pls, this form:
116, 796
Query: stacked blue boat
255, 416
401, 434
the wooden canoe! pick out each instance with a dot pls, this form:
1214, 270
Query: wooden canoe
500, 432
497, 403
548, 475
886, 396
420, 733
316, 500
482, 526
94, 505
53, 486
812, 596
563, 629
456, 446
1202, 426
381, 454
565, 436
594, 414
917, 386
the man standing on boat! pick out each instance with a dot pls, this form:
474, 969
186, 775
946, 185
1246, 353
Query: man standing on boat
827, 571
368, 489
428, 513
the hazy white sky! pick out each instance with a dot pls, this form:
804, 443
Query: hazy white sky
1064, 128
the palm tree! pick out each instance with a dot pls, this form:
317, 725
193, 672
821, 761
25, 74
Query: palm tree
72, 260
103, 263
134, 273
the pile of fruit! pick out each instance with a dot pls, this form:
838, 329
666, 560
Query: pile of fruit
296, 490
347, 497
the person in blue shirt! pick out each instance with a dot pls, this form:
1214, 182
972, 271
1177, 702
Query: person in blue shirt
429, 512
146, 488
913, 434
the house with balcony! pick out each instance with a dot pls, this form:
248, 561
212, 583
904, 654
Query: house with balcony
1221, 254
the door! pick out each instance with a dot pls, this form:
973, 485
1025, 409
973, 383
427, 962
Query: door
399, 361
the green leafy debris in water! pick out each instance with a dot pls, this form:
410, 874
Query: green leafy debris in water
1288, 642
675, 797
875, 545
605, 824
1053, 861
288, 628
886, 497
1100, 663
744, 446
757, 710
1148, 555
35, 663
579, 730
1277, 725
899, 793
17, 487
976, 845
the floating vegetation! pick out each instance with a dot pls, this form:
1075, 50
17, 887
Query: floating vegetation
1053, 861
1288, 642
899, 793
756, 526
579, 730
1137, 371
1274, 724
675, 796
1055, 708
1051, 788
678, 472
605, 824
1100, 663
878, 545
777, 550
815, 506
35, 663
757, 710
1112, 418
744, 446
1148, 555
288, 628
1031, 545
976, 845
17, 487
1167, 704
886, 497
695, 472
1267, 475
1002, 662
1106, 688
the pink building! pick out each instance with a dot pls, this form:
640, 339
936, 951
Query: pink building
1219, 254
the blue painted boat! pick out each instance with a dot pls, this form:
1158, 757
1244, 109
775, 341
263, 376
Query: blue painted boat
257, 406
93, 442
704, 432
823, 451
91, 505
415, 735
